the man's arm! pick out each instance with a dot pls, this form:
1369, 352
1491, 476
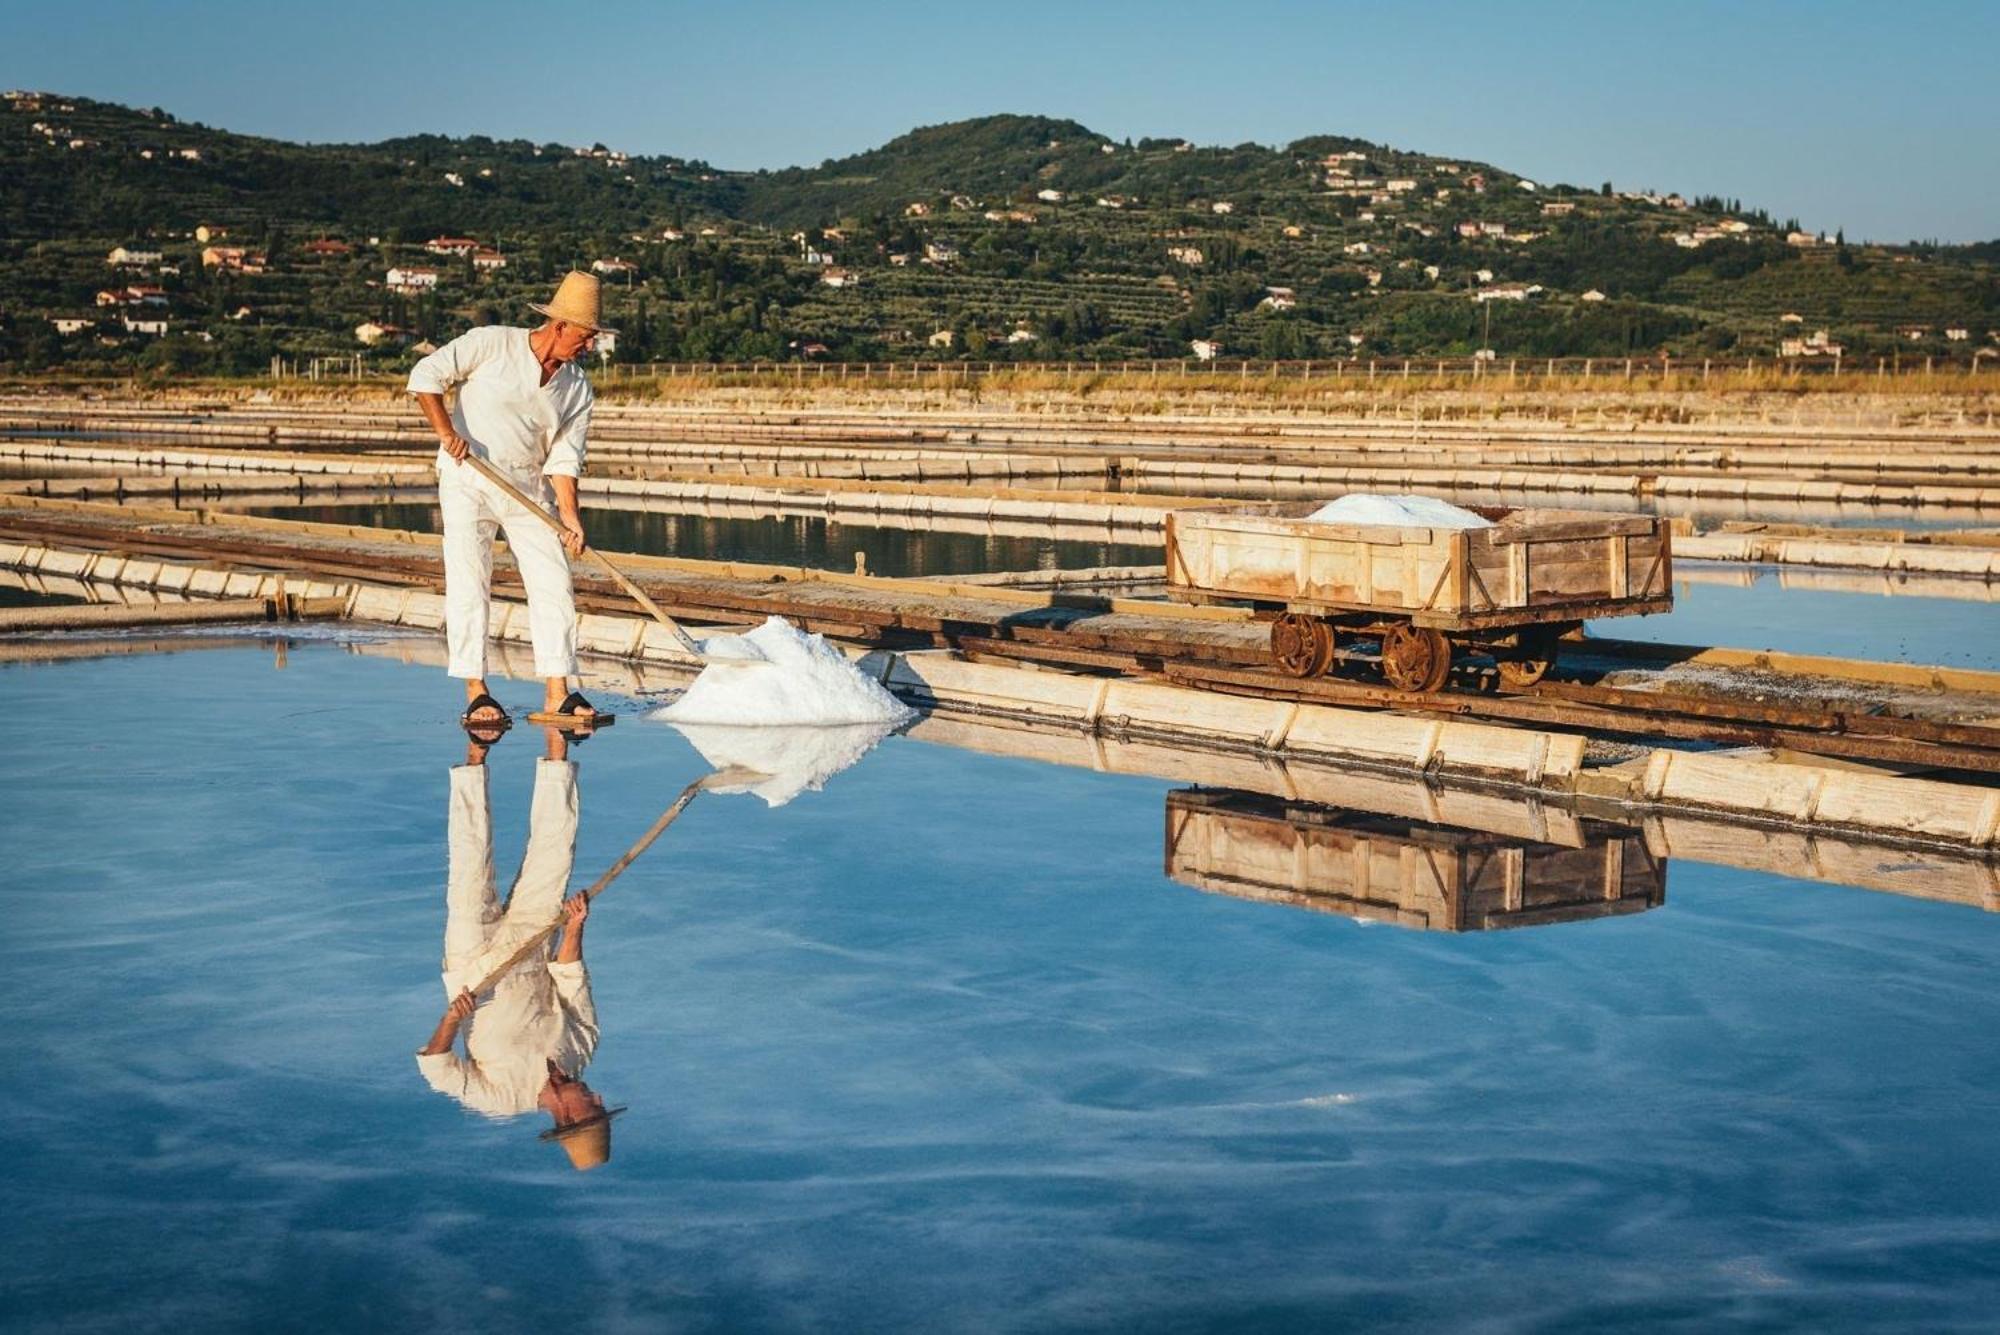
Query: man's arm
572, 518
434, 412
576, 910
446, 1032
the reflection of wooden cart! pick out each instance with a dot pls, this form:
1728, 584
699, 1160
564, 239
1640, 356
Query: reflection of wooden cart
1512, 590
1391, 869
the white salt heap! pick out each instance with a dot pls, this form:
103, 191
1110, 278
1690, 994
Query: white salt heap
809, 683
790, 761
1362, 507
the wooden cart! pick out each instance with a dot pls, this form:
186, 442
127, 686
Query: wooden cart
1389, 869
1512, 590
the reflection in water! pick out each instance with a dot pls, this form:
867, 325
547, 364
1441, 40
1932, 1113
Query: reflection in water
785, 761
1411, 873
803, 540
522, 1007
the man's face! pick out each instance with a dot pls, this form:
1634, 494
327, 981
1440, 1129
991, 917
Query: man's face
571, 341
568, 1099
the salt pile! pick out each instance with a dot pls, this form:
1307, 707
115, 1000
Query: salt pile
809, 683
790, 760
1362, 507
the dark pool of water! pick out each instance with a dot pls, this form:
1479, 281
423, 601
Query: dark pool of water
938, 1048
802, 540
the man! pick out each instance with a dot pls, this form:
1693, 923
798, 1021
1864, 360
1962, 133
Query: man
528, 1039
523, 407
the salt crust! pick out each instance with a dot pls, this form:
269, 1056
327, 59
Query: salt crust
1362, 507
809, 684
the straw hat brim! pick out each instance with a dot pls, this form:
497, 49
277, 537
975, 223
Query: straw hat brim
541, 309
557, 1133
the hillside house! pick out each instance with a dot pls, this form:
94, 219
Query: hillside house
71, 324
1916, 333
1356, 340
1815, 344
1020, 336
454, 179
1355, 248
1468, 229
1802, 239
1732, 226
1049, 196
1293, 231
613, 267
1222, 206
1557, 208
1593, 295
451, 245
1366, 215
208, 232
899, 259
942, 338
916, 209
1111, 201
964, 203
1279, 299
812, 351
835, 276
1493, 229
126, 257
370, 334
1431, 271
1205, 349
1400, 185
402, 279
325, 249
151, 326
188, 154
940, 252
1482, 275
223, 257
1507, 292
488, 261
1957, 335
1188, 255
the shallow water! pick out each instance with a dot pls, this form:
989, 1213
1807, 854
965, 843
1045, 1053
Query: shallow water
939, 1047
802, 540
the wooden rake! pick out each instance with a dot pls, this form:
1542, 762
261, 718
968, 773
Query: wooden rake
686, 641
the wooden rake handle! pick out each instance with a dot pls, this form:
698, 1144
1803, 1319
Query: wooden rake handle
498, 479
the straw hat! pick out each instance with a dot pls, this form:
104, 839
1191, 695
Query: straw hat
587, 1143
576, 302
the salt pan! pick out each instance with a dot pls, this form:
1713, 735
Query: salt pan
810, 683
1362, 507
791, 760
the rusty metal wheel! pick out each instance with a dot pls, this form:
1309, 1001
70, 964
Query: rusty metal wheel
1530, 660
1301, 645
1415, 658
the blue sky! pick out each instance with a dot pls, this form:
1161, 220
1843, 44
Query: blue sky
1871, 117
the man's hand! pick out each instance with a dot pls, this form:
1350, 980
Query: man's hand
575, 910
572, 535
455, 445
446, 1032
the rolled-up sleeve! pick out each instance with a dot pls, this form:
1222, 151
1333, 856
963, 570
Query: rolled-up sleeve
566, 452
451, 365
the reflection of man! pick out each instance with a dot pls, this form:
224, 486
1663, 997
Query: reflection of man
529, 1038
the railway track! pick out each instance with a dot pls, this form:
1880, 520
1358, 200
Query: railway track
1071, 633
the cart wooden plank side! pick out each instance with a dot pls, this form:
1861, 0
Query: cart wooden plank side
1511, 590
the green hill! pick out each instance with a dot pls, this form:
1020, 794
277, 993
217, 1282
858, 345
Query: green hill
1023, 236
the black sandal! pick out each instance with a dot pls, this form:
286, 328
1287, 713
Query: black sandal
569, 714
485, 701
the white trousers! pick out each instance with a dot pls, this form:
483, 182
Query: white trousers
474, 511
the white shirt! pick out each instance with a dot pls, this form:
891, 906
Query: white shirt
510, 418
